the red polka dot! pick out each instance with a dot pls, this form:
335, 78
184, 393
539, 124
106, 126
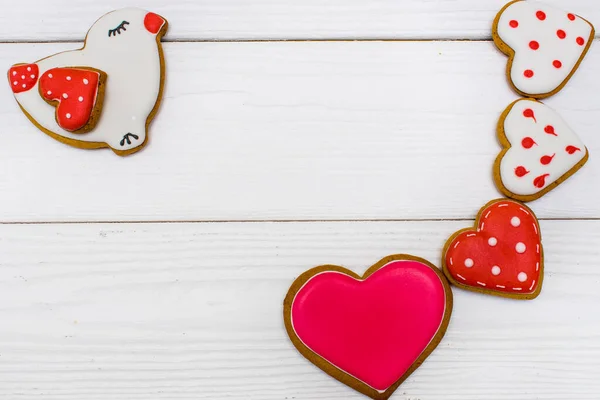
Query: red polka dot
557, 64
514, 23
571, 16
528, 113
580, 41
549, 129
527, 142
520, 171
561, 34
534, 45
528, 73
540, 15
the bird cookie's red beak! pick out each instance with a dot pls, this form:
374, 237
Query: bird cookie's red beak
153, 22
23, 77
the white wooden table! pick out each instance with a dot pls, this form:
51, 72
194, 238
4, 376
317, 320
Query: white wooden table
161, 275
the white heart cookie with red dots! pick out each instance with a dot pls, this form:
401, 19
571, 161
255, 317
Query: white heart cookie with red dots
545, 46
540, 151
103, 95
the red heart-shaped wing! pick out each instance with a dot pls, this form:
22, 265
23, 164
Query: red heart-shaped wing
77, 93
23, 77
502, 256
369, 332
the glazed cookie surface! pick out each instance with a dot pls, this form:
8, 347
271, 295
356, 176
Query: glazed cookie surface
103, 95
540, 151
545, 46
501, 255
369, 332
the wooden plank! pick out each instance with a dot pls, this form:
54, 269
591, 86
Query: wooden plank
276, 19
302, 130
193, 311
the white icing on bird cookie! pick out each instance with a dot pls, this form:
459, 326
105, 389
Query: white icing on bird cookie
545, 44
540, 152
122, 46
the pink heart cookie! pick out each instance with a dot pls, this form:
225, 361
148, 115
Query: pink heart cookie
545, 46
369, 332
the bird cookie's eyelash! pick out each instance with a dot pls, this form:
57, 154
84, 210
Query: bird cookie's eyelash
118, 29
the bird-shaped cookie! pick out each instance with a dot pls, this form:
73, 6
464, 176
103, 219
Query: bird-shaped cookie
103, 95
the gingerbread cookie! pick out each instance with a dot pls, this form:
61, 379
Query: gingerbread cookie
540, 151
545, 46
502, 255
369, 332
103, 95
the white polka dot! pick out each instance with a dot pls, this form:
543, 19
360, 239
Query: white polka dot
15, 83
520, 248
14, 73
32, 76
24, 86
48, 93
80, 99
496, 270
22, 76
68, 78
85, 81
469, 263
28, 69
492, 241
50, 76
515, 221
68, 116
66, 96
522, 277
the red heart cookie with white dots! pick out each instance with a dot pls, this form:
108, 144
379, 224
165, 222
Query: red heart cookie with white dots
545, 46
502, 255
540, 151
77, 93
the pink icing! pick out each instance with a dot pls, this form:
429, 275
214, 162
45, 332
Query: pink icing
372, 329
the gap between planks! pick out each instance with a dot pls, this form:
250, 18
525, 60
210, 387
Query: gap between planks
242, 40
276, 221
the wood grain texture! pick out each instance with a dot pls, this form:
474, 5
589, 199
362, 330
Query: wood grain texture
194, 311
302, 130
40, 20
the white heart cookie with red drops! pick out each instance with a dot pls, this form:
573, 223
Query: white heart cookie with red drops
545, 46
540, 151
103, 95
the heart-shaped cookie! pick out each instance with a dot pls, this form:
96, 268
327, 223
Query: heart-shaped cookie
369, 332
502, 255
77, 93
545, 46
540, 151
